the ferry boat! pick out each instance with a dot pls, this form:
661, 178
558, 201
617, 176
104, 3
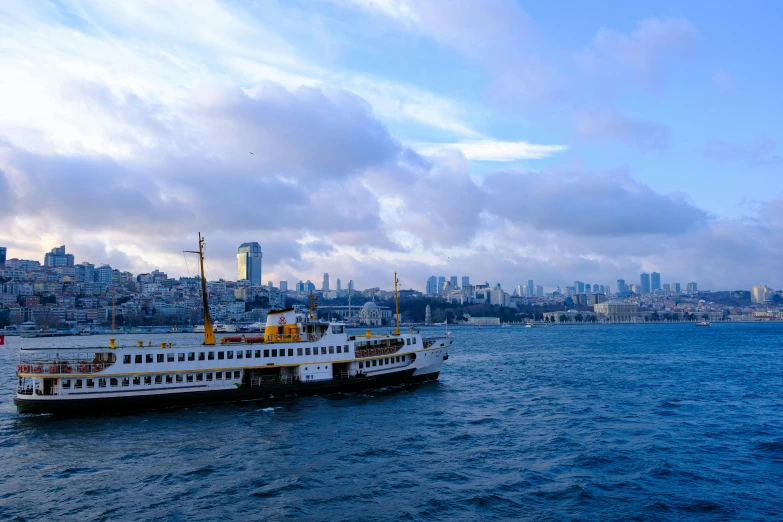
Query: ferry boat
703, 323
297, 355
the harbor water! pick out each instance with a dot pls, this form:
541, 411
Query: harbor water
594, 422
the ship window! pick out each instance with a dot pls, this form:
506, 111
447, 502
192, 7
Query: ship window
299, 351
218, 375
361, 364
91, 383
209, 376
189, 377
323, 350
199, 376
149, 358
160, 357
266, 353
399, 359
414, 340
239, 354
201, 356
77, 383
66, 383
345, 349
409, 340
307, 351
258, 354
168, 379
126, 359
375, 362
178, 377
125, 381
331, 349
170, 357
319, 367
136, 380
138, 359
113, 381
191, 356
148, 379
101, 383
236, 374
249, 354
230, 354
211, 356
221, 356
339, 349
274, 353
290, 352
380, 362
181, 357
158, 379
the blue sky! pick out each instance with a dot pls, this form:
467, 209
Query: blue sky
502, 140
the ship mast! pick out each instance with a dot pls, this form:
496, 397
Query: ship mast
397, 304
209, 332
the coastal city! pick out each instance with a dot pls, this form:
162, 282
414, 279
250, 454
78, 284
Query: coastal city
60, 293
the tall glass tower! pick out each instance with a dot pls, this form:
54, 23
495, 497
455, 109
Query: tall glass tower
249, 258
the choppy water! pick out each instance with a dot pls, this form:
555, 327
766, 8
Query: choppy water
649, 422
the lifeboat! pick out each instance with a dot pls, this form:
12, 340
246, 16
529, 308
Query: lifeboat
256, 339
232, 338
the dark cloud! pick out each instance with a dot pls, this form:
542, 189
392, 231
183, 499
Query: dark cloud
609, 124
759, 153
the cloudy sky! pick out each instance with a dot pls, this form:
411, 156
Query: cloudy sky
502, 140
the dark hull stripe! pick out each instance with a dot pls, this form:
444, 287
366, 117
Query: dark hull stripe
145, 402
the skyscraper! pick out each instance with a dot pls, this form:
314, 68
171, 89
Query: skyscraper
645, 283
579, 287
620, 286
693, 288
531, 288
465, 281
2, 256
453, 282
249, 258
284, 286
655, 281
676, 288
539, 291
58, 257
325, 284
339, 284
432, 285
350, 285
441, 280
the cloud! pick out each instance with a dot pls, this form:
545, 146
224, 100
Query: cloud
488, 150
759, 153
609, 124
647, 52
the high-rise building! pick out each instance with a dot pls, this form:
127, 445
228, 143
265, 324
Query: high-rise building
607, 289
693, 288
520, 290
269, 284
284, 286
531, 288
539, 291
620, 286
350, 285
325, 284
441, 280
667, 288
676, 288
579, 287
103, 274
588, 289
454, 282
85, 272
58, 257
309, 285
300, 286
636, 289
249, 257
645, 282
2, 256
465, 281
655, 281
339, 285
761, 294
432, 285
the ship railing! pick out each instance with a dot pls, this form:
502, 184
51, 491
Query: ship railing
292, 338
61, 367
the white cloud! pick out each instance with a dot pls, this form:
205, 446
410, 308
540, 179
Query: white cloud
490, 150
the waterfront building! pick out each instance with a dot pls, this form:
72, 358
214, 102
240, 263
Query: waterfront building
483, 321
645, 283
58, 257
441, 280
249, 258
597, 299
325, 283
693, 288
655, 281
454, 282
432, 285
616, 311
620, 286
284, 286
428, 315
465, 281
761, 293
2, 256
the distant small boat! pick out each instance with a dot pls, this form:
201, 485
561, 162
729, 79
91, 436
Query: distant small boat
537, 324
703, 323
505, 325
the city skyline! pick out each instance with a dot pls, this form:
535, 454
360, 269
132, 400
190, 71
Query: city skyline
503, 140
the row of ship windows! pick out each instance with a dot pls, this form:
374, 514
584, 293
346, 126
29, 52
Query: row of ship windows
381, 362
229, 354
149, 379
